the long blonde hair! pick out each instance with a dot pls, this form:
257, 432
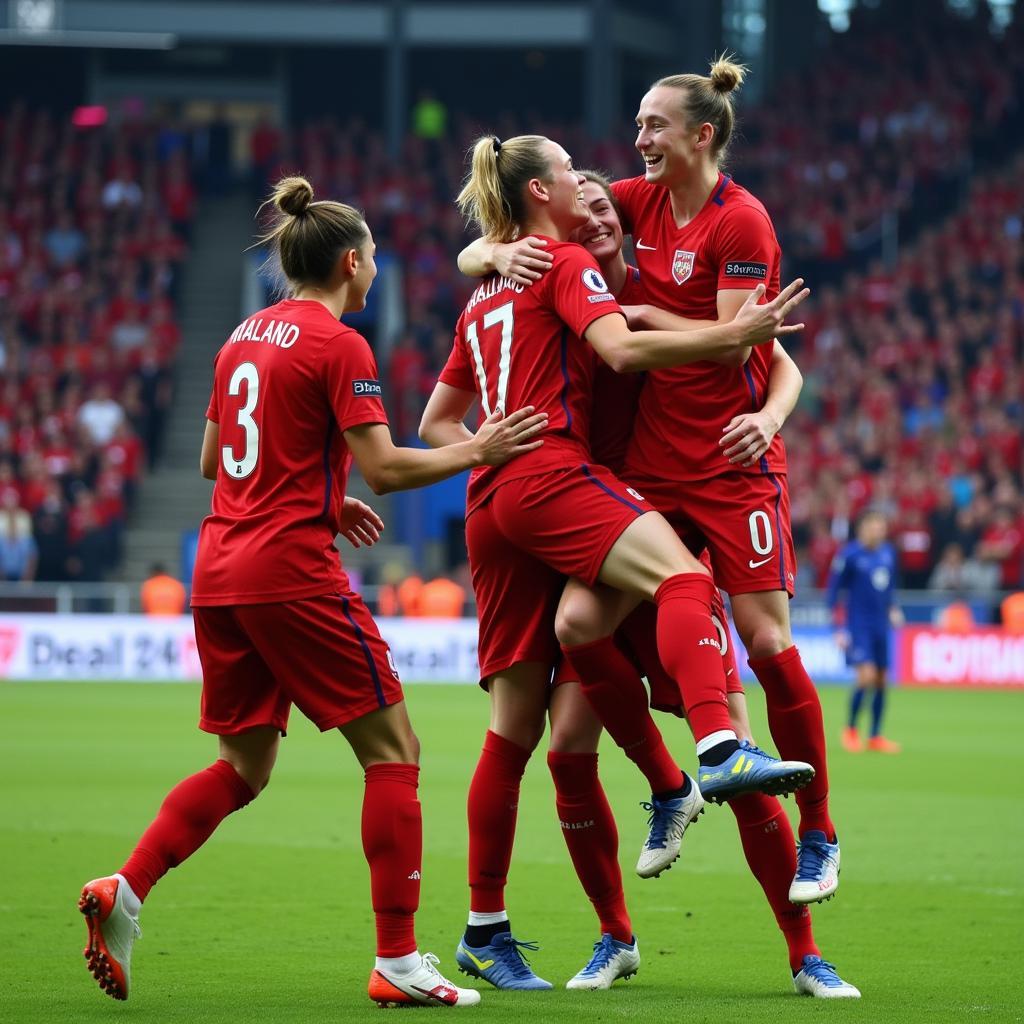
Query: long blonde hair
707, 99
492, 195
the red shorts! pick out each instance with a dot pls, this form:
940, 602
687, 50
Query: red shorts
525, 540
637, 639
322, 654
744, 521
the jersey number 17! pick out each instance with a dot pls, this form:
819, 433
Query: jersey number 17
503, 315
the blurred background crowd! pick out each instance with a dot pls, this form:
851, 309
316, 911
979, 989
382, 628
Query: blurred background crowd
893, 172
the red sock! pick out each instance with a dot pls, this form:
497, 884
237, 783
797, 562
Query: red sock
768, 844
691, 652
491, 807
589, 831
613, 689
186, 819
794, 718
393, 844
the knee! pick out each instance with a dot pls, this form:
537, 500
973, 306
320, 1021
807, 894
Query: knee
255, 776
574, 627
566, 739
523, 733
766, 638
399, 746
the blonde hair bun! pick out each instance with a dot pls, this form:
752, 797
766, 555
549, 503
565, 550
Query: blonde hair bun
726, 75
293, 196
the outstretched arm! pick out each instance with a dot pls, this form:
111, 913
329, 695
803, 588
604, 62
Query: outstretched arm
627, 351
386, 467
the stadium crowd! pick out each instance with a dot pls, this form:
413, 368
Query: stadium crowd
913, 400
93, 228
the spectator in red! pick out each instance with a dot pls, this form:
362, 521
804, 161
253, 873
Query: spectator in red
1002, 544
913, 541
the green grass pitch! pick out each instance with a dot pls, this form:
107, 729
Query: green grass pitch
271, 920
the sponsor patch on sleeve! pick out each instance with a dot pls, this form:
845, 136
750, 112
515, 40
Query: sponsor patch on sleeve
735, 268
601, 298
366, 388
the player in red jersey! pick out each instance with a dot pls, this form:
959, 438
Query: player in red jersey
703, 244
296, 399
588, 828
557, 514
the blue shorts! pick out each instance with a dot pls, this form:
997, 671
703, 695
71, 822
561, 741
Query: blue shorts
869, 647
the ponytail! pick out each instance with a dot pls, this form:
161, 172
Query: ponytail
493, 194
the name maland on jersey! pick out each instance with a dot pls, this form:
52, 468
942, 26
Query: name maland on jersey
277, 332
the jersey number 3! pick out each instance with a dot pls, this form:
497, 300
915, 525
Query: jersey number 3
502, 315
240, 468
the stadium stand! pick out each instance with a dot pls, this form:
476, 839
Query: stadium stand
92, 226
898, 198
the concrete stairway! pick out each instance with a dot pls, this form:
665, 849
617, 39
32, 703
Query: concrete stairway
175, 497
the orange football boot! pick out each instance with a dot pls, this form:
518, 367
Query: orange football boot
112, 933
880, 745
851, 740
424, 985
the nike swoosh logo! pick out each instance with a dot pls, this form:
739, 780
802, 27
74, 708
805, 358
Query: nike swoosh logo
757, 565
640, 245
481, 965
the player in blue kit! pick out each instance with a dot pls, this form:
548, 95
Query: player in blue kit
865, 570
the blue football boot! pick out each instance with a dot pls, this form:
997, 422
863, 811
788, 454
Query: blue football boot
500, 962
750, 770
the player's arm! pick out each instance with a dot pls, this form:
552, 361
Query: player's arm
208, 457
443, 420
746, 438
730, 302
837, 582
523, 261
896, 617
627, 351
386, 467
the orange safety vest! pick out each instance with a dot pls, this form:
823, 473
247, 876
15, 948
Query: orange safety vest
956, 618
163, 595
1012, 610
409, 591
442, 599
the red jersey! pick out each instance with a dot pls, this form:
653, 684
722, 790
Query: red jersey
518, 345
287, 383
729, 244
616, 395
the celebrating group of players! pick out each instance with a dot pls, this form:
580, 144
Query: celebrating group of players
628, 443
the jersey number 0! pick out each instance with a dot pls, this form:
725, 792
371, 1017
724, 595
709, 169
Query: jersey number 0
243, 467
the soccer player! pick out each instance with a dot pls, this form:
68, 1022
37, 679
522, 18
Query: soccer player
703, 245
864, 571
764, 827
296, 400
556, 514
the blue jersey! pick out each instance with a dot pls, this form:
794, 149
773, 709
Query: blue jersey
868, 577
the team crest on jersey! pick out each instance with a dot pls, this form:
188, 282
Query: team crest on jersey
682, 265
